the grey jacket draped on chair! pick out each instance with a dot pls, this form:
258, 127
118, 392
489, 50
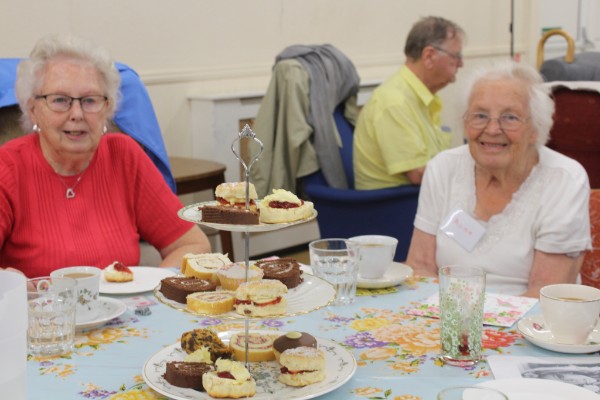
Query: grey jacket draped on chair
295, 120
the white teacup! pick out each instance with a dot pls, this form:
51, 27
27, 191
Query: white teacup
570, 311
376, 255
88, 287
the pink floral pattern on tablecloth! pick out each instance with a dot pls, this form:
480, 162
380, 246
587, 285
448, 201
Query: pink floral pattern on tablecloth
499, 310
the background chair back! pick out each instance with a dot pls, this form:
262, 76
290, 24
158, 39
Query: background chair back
345, 213
590, 270
576, 130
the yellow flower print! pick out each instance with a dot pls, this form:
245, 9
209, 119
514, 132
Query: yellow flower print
367, 391
405, 367
138, 394
407, 397
368, 324
378, 353
414, 339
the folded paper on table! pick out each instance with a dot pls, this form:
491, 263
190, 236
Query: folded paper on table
498, 310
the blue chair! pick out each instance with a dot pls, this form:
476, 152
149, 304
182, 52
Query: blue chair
344, 213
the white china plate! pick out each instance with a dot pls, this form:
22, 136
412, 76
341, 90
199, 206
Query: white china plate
396, 274
145, 279
193, 214
340, 367
312, 294
535, 389
533, 329
109, 309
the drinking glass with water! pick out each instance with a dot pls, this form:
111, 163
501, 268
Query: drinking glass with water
336, 261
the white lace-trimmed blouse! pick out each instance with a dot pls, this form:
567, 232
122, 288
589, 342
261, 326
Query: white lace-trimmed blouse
549, 212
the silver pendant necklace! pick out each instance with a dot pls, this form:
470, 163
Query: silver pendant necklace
70, 193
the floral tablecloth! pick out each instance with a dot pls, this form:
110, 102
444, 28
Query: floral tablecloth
397, 353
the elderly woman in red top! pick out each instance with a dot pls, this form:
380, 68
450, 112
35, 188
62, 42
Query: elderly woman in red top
70, 193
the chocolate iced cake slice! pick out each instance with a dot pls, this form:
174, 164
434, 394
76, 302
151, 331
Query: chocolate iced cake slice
228, 215
177, 288
186, 374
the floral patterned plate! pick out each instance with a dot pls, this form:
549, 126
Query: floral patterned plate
109, 309
312, 294
340, 367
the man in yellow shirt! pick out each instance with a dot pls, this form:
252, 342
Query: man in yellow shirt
399, 130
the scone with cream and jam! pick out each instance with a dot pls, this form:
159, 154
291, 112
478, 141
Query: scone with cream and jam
302, 366
261, 298
233, 194
118, 272
283, 206
231, 379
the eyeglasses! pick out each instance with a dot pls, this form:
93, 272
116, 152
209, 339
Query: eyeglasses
507, 122
63, 103
457, 56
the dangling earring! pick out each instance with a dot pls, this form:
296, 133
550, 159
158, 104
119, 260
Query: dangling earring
104, 130
36, 128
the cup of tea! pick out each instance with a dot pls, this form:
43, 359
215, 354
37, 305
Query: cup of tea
462, 296
376, 254
88, 288
570, 311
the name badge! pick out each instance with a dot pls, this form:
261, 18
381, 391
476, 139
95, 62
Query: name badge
463, 229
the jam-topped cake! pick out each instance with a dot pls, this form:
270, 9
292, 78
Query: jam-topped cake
284, 206
302, 366
177, 288
230, 380
117, 272
233, 194
285, 270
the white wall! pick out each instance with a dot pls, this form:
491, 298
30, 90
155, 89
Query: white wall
190, 47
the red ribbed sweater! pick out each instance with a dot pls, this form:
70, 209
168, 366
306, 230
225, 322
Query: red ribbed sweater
121, 198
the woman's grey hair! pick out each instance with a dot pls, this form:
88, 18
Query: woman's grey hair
541, 105
30, 71
430, 31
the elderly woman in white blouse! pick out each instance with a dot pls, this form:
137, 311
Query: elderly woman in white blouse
504, 201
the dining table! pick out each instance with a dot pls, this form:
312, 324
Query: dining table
396, 352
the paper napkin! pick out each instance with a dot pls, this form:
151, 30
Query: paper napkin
498, 310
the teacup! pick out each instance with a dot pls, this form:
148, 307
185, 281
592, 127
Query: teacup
88, 287
376, 255
570, 311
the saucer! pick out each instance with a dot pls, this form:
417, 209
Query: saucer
109, 309
533, 329
396, 274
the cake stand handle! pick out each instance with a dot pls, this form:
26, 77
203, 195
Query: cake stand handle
249, 134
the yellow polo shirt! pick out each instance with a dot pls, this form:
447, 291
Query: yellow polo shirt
398, 130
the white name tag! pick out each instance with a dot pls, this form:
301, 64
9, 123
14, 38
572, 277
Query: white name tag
463, 229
